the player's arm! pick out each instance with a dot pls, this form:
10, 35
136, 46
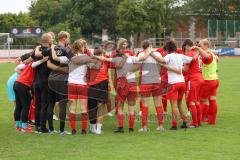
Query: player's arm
80, 60
158, 58
57, 68
173, 69
202, 52
39, 62
54, 54
20, 67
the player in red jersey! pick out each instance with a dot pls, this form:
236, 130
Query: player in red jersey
22, 88
194, 83
122, 45
98, 92
211, 82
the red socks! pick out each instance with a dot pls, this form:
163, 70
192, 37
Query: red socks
144, 116
141, 105
213, 112
120, 120
205, 111
84, 120
131, 119
72, 121
174, 122
164, 102
199, 114
160, 115
193, 111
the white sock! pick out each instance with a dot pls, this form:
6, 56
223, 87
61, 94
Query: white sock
99, 128
93, 128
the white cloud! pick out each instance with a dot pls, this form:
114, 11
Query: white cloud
14, 6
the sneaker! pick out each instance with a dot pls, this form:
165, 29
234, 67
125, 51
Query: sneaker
53, 132
184, 125
110, 114
140, 113
74, 132
131, 130
160, 128
84, 132
144, 129
27, 130
119, 130
44, 130
99, 128
64, 133
174, 128
93, 128
55, 117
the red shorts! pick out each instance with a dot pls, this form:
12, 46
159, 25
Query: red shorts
77, 91
130, 96
209, 88
153, 89
193, 90
177, 92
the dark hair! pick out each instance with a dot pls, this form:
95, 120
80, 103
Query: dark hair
146, 44
171, 47
187, 42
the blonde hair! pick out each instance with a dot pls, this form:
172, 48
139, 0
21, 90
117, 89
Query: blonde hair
77, 45
63, 34
120, 42
205, 42
46, 39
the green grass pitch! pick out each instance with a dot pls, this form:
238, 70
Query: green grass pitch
206, 143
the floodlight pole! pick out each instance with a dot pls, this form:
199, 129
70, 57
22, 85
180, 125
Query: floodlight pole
8, 42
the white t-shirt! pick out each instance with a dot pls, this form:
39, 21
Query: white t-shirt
151, 69
176, 60
77, 73
124, 71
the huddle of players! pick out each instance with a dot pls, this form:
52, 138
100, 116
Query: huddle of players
193, 73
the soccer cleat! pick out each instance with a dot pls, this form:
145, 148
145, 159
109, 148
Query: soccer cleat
31, 123
18, 128
55, 117
53, 132
64, 133
174, 128
37, 130
84, 132
160, 128
144, 129
27, 130
184, 125
192, 126
131, 130
119, 130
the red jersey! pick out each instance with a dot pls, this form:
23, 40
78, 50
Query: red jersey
98, 75
126, 51
195, 67
164, 75
179, 51
26, 77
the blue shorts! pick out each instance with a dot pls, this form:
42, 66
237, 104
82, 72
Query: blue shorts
10, 83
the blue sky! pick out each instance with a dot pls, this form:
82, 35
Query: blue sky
14, 6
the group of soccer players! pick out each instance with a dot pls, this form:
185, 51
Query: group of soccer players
72, 75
